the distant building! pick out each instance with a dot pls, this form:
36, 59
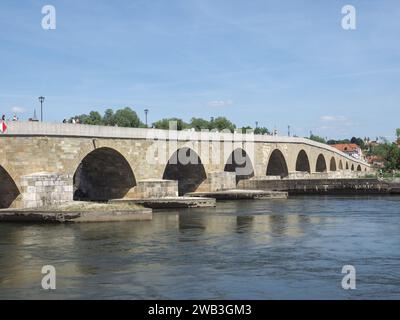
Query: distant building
376, 161
351, 149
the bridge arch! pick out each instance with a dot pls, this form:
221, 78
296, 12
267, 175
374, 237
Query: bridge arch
321, 164
240, 163
302, 162
103, 174
347, 166
332, 164
352, 167
340, 165
277, 164
186, 167
359, 168
8, 189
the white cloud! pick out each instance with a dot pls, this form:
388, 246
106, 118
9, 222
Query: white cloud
220, 103
17, 110
329, 118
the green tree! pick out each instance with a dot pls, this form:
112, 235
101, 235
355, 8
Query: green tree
390, 153
246, 129
222, 123
317, 138
261, 130
199, 124
165, 124
94, 118
126, 118
358, 141
108, 118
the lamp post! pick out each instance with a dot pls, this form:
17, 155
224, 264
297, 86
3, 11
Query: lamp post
146, 111
41, 99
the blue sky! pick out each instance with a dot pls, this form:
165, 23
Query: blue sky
276, 62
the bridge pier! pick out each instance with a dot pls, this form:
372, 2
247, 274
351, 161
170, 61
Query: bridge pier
45, 189
218, 181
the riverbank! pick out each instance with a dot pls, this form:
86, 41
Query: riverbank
169, 202
238, 194
79, 212
357, 186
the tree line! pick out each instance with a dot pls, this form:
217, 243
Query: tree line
389, 152
358, 141
127, 117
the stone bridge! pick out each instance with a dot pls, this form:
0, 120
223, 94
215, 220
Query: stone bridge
43, 163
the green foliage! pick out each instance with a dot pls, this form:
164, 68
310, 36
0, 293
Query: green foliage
123, 118
390, 153
199, 124
317, 138
108, 118
165, 124
261, 130
398, 132
344, 141
126, 118
246, 129
358, 141
222, 123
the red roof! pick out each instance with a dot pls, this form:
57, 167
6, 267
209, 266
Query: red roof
346, 147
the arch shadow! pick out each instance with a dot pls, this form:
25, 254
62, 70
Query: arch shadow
332, 165
340, 165
240, 163
9, 191
185, 166
321, 164
277, 165
103, 174
359, 168
302, 162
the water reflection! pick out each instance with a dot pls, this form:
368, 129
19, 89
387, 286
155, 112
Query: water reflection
247, 249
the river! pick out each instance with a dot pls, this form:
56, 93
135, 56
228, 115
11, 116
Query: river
264, 249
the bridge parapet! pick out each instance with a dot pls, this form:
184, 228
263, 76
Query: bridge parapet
92, 131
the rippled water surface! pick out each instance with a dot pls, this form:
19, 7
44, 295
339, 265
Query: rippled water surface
276, 249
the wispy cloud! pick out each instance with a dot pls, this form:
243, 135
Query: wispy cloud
330, 118
220, 103
18, 110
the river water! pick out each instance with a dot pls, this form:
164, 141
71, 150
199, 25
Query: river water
272, 249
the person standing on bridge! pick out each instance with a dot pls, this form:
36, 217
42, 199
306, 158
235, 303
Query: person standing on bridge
3, 125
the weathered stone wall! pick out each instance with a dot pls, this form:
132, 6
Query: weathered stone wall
319, 186
218, 181
45, 189
155, 188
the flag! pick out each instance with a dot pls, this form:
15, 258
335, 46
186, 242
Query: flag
3, 127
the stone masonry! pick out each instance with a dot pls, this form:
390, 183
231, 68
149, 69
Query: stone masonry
45, 189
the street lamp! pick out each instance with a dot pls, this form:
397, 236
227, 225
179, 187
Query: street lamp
41, 99
146, 111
